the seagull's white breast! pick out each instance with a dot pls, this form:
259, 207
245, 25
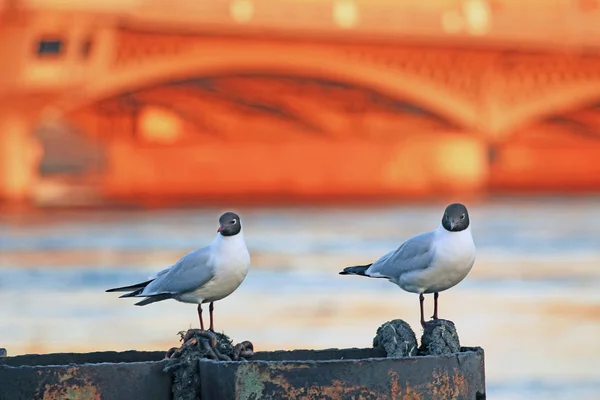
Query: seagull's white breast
454, 256
231, 262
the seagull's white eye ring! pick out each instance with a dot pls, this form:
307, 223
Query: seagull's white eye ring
462, 216
233, 221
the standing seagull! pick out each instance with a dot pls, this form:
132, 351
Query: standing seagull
430, 262
205, 275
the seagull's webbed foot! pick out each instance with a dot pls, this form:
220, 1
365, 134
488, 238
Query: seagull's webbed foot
429, 326
207, 339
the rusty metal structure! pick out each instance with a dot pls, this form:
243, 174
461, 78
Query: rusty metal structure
298, 374
299, 98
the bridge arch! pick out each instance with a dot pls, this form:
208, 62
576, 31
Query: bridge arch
569, 98
299, 60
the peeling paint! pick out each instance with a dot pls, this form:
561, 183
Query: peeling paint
354, 374
337, 390
248, 383
68, 384
411, 394
445, 386
460, 382
71, 392
81, 376
403, 378
394, 384
69, 373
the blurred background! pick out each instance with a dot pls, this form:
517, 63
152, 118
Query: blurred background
337, 129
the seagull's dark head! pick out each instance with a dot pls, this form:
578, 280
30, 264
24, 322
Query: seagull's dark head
230, 224
456, 218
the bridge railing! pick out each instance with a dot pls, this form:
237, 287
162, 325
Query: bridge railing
534, 23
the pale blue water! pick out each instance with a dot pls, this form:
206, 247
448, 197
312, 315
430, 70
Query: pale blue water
532, 300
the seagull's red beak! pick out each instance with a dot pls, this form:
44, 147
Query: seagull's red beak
220, 229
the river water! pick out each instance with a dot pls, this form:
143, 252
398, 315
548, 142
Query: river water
532, 300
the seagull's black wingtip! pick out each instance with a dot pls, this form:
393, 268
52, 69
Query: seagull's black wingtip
129, 288
357, 270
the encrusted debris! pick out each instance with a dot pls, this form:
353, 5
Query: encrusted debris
439, 337
198, 344
396, 338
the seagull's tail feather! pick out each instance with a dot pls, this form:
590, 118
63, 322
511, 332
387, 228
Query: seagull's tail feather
140, 285
154, 298
358, 270
133, 294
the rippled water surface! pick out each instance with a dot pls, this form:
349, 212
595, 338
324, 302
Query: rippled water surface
532, 300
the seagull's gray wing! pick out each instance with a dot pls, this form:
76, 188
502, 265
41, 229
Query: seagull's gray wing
194, 270
414, 254
161, 272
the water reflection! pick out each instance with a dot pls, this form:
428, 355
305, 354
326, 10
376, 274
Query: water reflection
532, 299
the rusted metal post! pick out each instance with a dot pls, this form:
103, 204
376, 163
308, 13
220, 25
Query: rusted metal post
299, 374
344, 374
87, 376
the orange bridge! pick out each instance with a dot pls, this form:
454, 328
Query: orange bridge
297, 98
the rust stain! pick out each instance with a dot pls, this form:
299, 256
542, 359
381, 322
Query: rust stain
70, 373
440, 386
396, 388
338, 390
411, 394
71, 392
394, 385
460, 383
444, 386
70, 386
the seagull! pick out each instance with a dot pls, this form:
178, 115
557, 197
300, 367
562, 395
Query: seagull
430, 262
205, 275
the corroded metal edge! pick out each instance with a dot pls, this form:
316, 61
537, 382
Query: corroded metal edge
85, 376
83, 358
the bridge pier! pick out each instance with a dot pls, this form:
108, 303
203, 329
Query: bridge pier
19, 156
